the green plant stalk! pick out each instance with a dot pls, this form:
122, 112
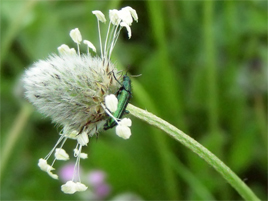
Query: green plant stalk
14, 28
189, 178
193, 145
14, 135
209, 47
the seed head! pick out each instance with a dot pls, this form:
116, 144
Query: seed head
71, 88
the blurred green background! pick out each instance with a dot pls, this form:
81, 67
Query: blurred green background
204, 69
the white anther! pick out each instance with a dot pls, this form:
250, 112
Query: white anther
114, 17
100, 16
123, 24
111, 102
65, 50
76, 35
60, 154
82, 139
81, 155
123, 131
90, 45
125, 15
126, 122
133, 13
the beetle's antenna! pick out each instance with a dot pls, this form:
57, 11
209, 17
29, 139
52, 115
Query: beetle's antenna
116, 78
135, 75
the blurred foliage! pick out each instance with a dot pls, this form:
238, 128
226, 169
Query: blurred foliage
204, 69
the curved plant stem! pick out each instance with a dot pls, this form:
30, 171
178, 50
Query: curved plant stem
193, 145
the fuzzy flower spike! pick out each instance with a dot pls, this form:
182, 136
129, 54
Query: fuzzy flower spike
77, 91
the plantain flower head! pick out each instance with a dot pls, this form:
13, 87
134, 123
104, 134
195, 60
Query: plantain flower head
77, 90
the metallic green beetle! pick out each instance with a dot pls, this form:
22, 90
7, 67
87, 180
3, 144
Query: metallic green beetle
123, 96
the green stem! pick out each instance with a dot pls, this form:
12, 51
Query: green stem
209, 48
193, 145
14, 134
189, 178
14, 28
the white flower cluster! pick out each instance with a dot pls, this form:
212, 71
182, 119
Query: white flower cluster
60, 154
77, 92
122, 128
118, 19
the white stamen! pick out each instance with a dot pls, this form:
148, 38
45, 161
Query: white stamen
125, 15
76, 35
114, 17
108, 38
111, 102
69, 187
81, 155
71, 135
126, 122
89, 45
60, 154
82, 139
109, 113
65, 50
123, 24
42, 163
100, 16
116, 31
133, 13
77, 163
54, 176
80, 187
123, 131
